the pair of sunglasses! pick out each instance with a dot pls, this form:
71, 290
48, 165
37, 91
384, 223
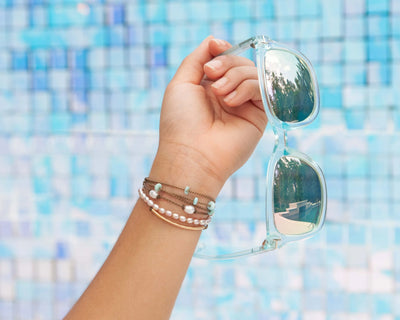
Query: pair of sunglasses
296, 195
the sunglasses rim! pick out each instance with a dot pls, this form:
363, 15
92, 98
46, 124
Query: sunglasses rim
269, 199
273, 238
264, 43
261, 49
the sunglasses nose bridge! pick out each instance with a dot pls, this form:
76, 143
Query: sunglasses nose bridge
280, 138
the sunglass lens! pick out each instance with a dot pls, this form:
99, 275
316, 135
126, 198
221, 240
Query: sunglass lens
290, 88
297, 197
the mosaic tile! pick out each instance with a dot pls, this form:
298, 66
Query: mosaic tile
103, 67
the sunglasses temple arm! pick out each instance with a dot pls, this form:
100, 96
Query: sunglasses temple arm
233, 255
240, 47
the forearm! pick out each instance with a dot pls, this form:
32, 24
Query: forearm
142, 276
202, 142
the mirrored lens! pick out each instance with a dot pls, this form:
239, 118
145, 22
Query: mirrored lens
289, 86
297, 197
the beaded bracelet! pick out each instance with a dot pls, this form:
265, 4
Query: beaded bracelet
189, 201
196, 213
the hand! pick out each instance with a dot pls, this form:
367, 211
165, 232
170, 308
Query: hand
212, 118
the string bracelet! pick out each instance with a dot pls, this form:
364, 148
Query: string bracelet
190, 201
187, 209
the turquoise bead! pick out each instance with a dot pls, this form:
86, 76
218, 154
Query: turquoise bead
211, 206
158, 187
195, 201
187, 190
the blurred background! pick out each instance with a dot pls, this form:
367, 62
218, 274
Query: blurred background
81, 85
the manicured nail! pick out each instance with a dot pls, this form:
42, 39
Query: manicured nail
214, 64
220, 42
220, 83
230, 96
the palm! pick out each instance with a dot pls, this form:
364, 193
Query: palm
223, 136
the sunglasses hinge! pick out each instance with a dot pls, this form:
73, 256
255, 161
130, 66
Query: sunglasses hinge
270, 244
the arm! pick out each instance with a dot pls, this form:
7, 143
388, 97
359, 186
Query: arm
206, 133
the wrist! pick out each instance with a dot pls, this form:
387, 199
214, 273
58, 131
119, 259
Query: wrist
183, 168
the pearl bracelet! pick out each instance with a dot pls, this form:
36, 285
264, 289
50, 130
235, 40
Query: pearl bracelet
173, 218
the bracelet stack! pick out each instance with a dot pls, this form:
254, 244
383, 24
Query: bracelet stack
187, 209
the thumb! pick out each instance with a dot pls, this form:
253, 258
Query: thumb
191, 68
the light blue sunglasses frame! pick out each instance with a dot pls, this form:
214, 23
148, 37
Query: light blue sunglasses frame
274, 238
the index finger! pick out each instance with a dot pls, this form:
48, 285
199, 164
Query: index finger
191, 68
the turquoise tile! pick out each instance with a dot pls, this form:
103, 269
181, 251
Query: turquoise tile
331, 97
177, 11
355, 74
3, 17
117, 79
382, 304
38, 17
199, 11
356, 7
377, 6
309, 29
287, 30
378, 50
158, 35
379, 73
332, 51
242, 10
285, 9
355, 51
357, 234
378, 26
355, 27
359, 302
355, 119
331, 74
5, 60
156, 12
309, 8
135, 12
220, 11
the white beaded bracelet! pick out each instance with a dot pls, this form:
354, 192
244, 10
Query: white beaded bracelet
173, 217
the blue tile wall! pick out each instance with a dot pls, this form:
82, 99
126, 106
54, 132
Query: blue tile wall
81, 84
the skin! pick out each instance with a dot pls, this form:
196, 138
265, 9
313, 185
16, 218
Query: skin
211, 120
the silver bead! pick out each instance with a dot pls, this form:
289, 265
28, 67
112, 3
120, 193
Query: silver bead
182, 218
189, 220
175, 216
202, 222
162, 210
156, 207
195, 221
168, 213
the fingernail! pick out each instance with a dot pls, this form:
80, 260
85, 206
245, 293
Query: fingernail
220, 42
230, 96
220, 83
214, 64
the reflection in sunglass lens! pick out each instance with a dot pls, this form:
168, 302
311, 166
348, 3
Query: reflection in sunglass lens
289, 86
297, 196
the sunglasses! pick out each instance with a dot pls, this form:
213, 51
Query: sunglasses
296, 195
